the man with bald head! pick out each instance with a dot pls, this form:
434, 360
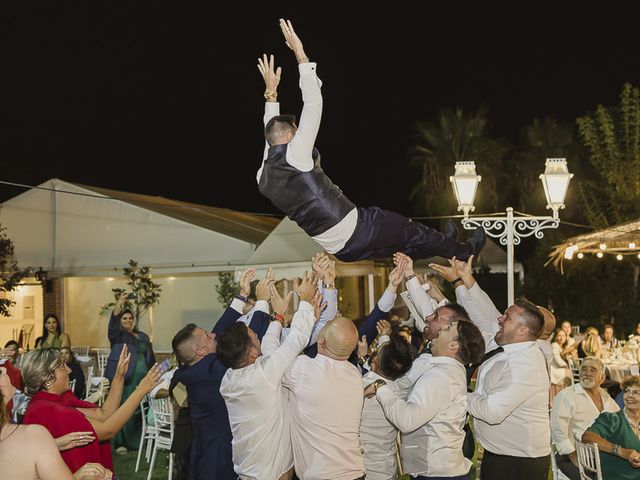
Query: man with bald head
325, 401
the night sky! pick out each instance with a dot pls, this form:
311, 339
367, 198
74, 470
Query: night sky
165, 98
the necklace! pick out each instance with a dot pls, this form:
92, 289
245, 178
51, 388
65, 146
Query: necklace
10, 433
634, 425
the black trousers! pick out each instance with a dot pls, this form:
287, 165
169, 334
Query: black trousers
381, 233
567, 467
498, 467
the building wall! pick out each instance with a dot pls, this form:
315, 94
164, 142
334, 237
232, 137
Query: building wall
27, 312
184, 299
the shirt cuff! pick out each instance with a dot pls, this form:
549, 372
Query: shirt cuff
384, 394
306, 67
262, 306
304, 305
237, 305
382, 339
565, 447
387, 301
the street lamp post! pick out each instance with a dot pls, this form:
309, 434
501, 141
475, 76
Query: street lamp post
510, 229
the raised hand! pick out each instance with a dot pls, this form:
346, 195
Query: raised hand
408, 262
292, 40
73, 440
123, 361
245, 281
318, 305
270, 74
307, 288
450, 273
151, 379
465, 271
278, 304
434, 292
330, 272
397, 274
383, 327
319, 263
263, 288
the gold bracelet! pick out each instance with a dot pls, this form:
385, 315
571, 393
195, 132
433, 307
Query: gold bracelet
269, 95
303, 60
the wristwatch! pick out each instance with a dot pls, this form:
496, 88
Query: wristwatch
241, 298
362, 360
377, 384
615, 449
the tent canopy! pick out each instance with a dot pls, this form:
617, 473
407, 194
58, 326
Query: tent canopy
71, 229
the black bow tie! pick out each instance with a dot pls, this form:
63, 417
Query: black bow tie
472, 369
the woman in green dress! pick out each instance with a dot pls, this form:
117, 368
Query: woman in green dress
618, 435
122, 331
52, 336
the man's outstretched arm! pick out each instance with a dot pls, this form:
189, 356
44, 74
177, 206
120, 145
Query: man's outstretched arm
300, 150
271, 77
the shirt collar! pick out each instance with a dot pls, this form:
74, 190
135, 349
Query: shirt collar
518, 346
445, 360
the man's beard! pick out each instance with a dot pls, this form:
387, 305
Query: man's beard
587, 383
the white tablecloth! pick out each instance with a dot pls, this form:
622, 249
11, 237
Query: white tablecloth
618, 371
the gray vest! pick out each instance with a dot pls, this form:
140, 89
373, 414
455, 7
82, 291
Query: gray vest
308, 198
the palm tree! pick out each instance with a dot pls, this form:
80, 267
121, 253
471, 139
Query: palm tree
455, 136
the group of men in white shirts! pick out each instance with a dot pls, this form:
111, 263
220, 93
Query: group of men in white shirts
320, 418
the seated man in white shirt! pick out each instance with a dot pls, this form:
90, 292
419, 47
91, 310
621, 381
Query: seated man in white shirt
511, 402
574, 410
252, 390
325, 405
292, 178
432, 419
391, 360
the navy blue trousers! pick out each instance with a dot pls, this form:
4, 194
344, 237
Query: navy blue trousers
381, 233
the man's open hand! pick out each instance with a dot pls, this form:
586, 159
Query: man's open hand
270, 74
292, 40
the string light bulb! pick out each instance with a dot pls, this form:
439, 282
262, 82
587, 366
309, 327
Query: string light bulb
603, 246
580, 255
619, 256
632, 244
599, 254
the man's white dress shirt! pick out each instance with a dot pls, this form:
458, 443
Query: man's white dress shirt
378, 436
325, 405
258, 405
300, 149
431, 420
511, 401
425, 305
572, 413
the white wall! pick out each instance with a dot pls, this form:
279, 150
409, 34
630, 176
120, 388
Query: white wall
20, 315
184, 299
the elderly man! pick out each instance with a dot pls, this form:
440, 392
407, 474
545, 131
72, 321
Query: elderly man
325, 402
510, 403
252, 390
292, 178
436, 410
201, 373
574, 410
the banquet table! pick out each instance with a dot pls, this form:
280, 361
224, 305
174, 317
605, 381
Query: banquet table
619, 369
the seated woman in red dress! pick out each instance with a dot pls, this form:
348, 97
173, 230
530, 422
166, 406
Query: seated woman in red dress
28, 451
54, 406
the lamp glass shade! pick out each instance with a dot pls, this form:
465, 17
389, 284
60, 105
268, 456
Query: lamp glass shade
465, 182
555, 180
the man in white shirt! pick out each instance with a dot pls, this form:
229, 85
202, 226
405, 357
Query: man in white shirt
252, 390
436, 410
391, 360
292, 178
574, 410
325, 405
511, 402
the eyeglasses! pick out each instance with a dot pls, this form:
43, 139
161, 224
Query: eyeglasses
631, 392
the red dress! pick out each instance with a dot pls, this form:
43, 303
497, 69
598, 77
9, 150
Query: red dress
58, 414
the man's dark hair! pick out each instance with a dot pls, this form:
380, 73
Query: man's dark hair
233, 345
10, 343
471, 343
179, 339
532, 317
395, 357
607, 325
279, 126
459, 312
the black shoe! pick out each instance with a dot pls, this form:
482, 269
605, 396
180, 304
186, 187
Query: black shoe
476, 242
451, 230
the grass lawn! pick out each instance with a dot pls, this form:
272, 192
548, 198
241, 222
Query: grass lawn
124, 466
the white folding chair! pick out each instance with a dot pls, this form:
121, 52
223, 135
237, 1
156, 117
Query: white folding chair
72, 385
97, 387
102, 355
163, 417
588, 460
574, 365
148, 432
80, 350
